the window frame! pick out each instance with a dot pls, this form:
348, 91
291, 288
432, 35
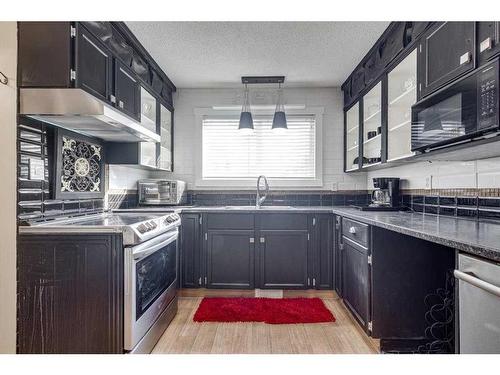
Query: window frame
317, 182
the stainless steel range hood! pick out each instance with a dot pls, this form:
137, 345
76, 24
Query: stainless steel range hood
77, 110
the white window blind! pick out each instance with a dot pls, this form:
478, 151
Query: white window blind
228, 153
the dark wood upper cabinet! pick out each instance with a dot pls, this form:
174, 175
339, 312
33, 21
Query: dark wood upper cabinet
93, 66
488, 40
396, 40
44, 54
81, 54
230, 259
127, 91
445, 52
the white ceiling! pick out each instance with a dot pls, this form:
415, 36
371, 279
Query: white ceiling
217, 54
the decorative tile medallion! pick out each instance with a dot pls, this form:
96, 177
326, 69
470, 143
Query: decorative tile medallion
81, 166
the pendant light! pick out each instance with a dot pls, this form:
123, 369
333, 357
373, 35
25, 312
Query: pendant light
279, 119
246, 120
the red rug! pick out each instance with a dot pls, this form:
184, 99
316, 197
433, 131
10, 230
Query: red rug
267, 310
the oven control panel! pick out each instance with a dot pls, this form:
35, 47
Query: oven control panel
487, 97
161, 224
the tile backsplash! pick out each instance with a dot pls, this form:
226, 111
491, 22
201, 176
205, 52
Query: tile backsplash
469, 203
35, 197
128, 198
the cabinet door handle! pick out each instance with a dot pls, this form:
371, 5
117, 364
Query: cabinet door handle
112, 99
252, 240
485, 45
352, 230
465, 58
120, 104
262, 240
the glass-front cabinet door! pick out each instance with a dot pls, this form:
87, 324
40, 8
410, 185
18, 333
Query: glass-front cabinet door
148, 110
352, 138
372, 126
402, 94
165, 154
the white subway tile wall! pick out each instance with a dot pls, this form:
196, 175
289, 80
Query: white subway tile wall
186, 100
478, 174
124, 177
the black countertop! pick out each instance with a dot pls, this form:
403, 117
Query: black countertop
481, 238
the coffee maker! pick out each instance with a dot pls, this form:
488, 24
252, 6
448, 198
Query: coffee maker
385, 196
386, 193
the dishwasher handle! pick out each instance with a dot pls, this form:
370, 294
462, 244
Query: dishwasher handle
481, 284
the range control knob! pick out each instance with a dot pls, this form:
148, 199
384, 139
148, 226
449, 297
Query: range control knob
142, 229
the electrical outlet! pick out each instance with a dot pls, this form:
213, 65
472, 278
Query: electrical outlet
335, 186
428, 182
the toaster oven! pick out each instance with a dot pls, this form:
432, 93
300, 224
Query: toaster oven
161, 192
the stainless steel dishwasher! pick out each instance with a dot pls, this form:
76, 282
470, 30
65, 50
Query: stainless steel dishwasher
479, 305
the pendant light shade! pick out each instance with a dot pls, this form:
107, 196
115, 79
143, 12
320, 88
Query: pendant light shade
279, 119
246, 120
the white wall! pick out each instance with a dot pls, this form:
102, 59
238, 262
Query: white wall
124, 177
8, 98
444, 174
186, 100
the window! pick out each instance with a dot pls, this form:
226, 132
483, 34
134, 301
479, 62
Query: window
231, 157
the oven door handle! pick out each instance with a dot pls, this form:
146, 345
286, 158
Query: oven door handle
151, 246
477, 282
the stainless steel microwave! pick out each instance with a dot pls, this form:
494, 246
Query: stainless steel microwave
161, 192
463, 110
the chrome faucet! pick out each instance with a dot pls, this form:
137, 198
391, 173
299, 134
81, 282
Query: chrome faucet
260, 199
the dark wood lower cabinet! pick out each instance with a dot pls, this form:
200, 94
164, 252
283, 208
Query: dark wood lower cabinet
190, 244
322, 251
283, 259
356, 279
70, 294
296, 252
405, 271
230, 259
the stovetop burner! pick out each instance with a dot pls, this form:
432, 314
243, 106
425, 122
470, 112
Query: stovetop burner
136, 227
113, 219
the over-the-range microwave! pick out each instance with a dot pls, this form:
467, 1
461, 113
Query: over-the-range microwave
463, 110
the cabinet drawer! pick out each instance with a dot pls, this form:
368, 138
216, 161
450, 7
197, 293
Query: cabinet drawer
280, 221
356, 231
230, 221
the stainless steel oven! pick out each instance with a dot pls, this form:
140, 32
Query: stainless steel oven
459, 112
150, 286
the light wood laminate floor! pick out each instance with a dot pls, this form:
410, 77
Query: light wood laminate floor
184, 336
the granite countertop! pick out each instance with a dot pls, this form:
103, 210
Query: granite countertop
480, 238
230, 209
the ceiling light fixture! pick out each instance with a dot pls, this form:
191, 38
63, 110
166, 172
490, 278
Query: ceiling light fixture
279, 119
246, 120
